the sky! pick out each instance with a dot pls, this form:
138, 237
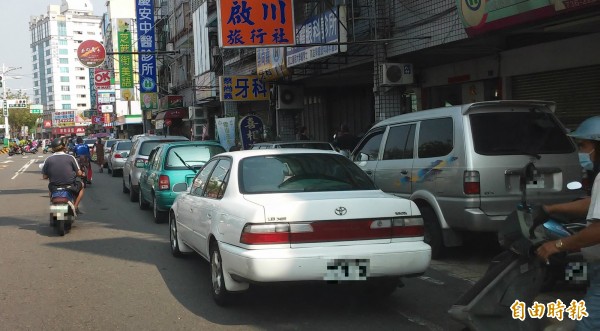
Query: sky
15, 40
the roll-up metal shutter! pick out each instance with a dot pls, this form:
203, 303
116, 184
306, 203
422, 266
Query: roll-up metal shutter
576, 92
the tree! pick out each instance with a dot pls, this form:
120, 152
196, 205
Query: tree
19, 117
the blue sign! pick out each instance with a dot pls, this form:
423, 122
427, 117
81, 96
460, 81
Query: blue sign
146, 43
251, 130
93, 100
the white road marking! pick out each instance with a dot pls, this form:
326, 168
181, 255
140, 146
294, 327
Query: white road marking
432, 280
420, 321
7, 161
23, 168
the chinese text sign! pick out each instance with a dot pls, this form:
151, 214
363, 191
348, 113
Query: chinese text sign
243, 88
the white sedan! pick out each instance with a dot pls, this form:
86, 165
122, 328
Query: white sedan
295, 215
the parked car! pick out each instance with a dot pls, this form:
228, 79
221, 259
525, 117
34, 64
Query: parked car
172, 163
90, 143
118, 156
295, 144
283, 215
137, 159
461, 164
107, 146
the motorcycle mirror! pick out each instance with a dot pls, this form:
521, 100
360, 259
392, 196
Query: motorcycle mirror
574, 185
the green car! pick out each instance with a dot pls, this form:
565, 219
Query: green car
169, 164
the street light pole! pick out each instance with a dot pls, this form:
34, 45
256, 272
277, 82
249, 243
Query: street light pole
6, 70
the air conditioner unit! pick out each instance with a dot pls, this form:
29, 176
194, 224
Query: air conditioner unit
397, 74
290, 97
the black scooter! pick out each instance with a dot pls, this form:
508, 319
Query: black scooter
515, 275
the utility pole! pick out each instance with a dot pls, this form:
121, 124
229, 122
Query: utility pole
3, 76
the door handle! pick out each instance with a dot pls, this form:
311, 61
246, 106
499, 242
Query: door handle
369, 172
404, 172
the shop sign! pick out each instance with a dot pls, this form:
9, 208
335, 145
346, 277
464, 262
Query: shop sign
149, 101
170, 102
479, 16
270, 63
63, 118
106, 108
47, 124
251, 127
97, 119
91, 53
226, 130
159, 124
255, 23
125, 60
327, 28
101, 79
69, 130
147, 59
243, 88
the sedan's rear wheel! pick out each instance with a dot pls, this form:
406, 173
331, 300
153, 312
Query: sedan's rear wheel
159, 216
173, 235
125, 189
433, 232
132, 194
141, 202
219, 292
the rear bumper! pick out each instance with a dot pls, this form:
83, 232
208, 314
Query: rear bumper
165, 199
310, 264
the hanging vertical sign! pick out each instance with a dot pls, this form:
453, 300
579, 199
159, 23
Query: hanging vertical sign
251, 130
146, 44
125, 60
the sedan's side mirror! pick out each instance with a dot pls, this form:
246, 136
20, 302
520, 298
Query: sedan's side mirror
180, 187
363, 157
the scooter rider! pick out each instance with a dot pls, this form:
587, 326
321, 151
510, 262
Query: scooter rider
61, 169
588, 239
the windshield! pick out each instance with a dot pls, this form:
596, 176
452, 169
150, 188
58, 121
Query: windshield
301, 173
194, 156
519, 133
147, 146
89, 141
109, 143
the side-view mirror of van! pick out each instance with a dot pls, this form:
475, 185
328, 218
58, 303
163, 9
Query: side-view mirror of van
363, 157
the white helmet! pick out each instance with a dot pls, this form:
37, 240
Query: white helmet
588, 129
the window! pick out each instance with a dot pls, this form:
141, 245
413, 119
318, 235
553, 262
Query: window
370, 146
48, 61
62, 28
200, 181
65, 88
62, 42
82, 96
194, 156
435, 137
66, 97
215, 188
35, 57
82, 105
47, 52
64, 79
400, 142
63, 61
35, 66
64, 70
49, 70
66, 106
532, 131
80, 87
50, 89
80, 78
49, 80
63, 51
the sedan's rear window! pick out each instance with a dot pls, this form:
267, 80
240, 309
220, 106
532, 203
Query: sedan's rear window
194, 156
301, 173
124, 146
519, 133
323, 146
147, 146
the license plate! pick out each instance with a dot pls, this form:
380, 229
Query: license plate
347, 270
59, 208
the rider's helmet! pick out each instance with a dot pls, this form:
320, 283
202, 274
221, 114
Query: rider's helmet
59, 143
588, 129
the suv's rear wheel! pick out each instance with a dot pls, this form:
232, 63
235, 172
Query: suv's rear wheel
433, 232
132, 193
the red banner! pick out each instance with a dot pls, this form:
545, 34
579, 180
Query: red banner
102, 79
47, 124
68, 130
97, 119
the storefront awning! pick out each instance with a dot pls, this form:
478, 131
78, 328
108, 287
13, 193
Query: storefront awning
173, 113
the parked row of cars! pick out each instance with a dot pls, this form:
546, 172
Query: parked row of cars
282, 214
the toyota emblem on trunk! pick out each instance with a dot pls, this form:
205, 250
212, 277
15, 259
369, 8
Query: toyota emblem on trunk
341, 211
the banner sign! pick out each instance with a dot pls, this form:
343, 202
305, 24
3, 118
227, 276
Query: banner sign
65, 131
97, 119
255, 23
106, 108
63, 118
146, 44
226, 131
251, 128
243, 88
270, 63
170, 102
125, 60
327, 28
93, 96
106, 97
47, 124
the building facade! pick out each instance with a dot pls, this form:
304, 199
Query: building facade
61, 82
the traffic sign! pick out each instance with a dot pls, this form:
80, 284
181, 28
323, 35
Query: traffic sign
36, 109
18, 103
1, 80
4, 108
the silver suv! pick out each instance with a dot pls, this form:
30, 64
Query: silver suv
461, 164
137, 159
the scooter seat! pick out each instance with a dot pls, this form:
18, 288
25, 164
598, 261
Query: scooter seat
59, 200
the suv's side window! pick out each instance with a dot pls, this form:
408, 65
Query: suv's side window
200, 181
400, 142
435, 137
218, 180
369, 147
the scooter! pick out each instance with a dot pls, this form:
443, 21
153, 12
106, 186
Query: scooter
47, 149
515, 275
29, 149
15, 150
62, 209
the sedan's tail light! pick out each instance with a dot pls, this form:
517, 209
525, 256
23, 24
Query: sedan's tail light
164, 183
118, 156
329, 231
